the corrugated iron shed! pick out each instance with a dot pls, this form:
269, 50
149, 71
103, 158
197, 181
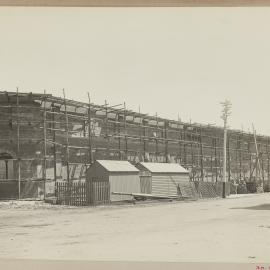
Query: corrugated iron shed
163, 167
167, 179
121, 175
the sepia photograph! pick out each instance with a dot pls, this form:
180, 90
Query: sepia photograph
135, 134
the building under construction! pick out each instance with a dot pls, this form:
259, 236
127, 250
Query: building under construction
45, 139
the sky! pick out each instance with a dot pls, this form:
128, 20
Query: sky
169, 61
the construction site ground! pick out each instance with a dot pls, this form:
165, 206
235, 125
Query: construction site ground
236, 229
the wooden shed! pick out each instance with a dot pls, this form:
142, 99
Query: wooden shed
121, 176
162, 178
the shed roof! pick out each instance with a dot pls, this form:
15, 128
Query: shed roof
163, 167
117, 166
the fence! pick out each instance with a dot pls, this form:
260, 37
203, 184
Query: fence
29, 189
98, 192
83, 193
8, 189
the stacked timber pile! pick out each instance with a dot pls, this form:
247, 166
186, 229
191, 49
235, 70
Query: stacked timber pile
206, 189
259, 188
188, 190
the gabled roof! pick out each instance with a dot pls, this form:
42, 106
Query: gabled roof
117, 166
163, 167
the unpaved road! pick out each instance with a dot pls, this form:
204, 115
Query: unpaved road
207, 231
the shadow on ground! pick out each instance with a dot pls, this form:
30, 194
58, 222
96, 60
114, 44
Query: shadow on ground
256, 207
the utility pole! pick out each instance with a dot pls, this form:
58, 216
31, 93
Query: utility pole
226, 105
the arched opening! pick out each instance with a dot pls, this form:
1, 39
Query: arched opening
6, 166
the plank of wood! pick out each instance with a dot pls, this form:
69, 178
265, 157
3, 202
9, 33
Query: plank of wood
148, 195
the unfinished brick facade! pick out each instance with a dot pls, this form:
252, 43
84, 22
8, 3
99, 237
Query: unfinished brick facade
39, 131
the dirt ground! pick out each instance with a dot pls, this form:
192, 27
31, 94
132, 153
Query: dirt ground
236, 229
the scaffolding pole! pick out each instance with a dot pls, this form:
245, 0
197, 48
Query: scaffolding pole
106, 130
166, 141
140, 133
201, 155
44, 145
54, 150
268, 160
89, 131
215, 151
144, 141
192, 159
119, 137
18, 145
179, 140
125, 127
67, 137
